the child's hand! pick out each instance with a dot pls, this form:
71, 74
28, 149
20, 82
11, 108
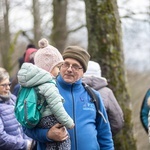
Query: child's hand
72, 126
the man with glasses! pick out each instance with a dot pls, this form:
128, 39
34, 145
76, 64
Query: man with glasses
91, 132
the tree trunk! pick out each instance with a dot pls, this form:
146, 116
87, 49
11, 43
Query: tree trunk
5, 36
1, 31
105, 47
59, 30
37, 22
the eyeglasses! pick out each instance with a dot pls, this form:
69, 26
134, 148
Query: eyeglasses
5, 85
74, 67
59, 66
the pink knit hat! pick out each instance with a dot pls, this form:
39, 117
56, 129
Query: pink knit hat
47, 57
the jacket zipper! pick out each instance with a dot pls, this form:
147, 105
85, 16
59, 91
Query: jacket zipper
75, 137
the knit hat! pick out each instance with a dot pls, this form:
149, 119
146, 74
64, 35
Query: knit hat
47, 57
28, 53
78, 54
93, 69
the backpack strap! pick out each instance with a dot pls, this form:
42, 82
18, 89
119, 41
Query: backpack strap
94, 99
40, 97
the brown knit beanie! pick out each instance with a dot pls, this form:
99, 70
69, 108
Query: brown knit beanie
78, 54
47, 57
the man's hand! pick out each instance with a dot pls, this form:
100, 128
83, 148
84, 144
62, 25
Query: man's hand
57, 133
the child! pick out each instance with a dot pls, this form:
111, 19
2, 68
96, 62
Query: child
47, 63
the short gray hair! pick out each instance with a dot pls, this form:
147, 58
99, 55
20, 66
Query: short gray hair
3, 74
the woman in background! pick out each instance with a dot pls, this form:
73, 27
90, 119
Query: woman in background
11, 133
93, 78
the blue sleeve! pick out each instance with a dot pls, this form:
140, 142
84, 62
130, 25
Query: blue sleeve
145, 110
37, 134
104, 134
16, 89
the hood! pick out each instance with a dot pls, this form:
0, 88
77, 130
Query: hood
95, 82
93, 69
30, 75
28, 52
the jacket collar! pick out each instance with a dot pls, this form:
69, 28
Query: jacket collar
64, 84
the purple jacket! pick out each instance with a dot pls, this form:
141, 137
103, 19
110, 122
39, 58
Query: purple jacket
11, 133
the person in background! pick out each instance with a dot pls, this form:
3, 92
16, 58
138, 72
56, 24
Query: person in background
91, 132
29, 58
93, 78
29, 55
11, 133
148, 117
42, 75
145, 107
21, 60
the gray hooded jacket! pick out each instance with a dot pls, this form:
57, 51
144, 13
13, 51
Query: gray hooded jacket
114, 111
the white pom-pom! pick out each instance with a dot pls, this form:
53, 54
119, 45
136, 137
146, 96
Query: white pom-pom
43, 43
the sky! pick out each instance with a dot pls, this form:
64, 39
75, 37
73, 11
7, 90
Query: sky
136, 34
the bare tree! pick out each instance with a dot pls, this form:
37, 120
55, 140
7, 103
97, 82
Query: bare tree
105, 46
5, 36
37, 21
59, 30
1, 29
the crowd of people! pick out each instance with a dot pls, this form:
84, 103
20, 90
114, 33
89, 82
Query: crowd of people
69, 120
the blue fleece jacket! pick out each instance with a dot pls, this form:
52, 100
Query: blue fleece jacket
145, 108
91, 132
